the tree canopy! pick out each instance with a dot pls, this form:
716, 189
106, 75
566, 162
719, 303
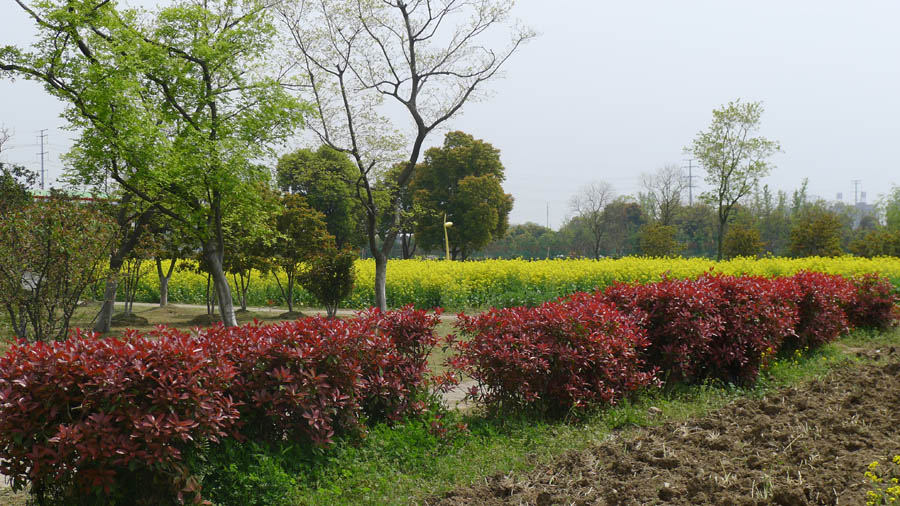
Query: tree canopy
461, 179
734, 159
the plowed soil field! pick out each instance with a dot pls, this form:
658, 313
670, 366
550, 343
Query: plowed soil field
806, 445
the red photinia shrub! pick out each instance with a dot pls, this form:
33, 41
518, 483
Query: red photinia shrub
757, 314
552, 358
821, 300
682, 319
298, 380
874, 304
393, 354
108, 416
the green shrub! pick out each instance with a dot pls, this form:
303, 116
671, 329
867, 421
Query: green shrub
247, 474
329, 278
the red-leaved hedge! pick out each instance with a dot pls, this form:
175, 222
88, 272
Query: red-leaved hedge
682, 319
115, 416
874, 305
557, 357
821, 301
109, 416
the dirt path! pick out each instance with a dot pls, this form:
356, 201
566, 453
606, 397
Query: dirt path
805, 445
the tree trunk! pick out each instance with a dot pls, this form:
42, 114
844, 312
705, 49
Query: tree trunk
220, 282
164, 281
380, 280
104, 319
719, 240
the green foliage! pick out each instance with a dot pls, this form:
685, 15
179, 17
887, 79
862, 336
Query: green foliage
742, 241
875, 243
659, 240
326, 178
15, 181
530, 241
329, 277
50, 253
622, 220
239, 474
816, 232
302, 235
461, 179
733, 158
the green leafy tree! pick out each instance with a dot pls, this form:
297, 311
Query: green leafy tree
302, 234
176, 97
735, 160
774, 218
428, 57
528, 240
248, 241
742, 241
462, 180
50, 252
329, 277
622, 221
696, 227
327, 179
658, 240
876, 243
816, 232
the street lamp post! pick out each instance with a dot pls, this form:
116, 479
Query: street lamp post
447, 224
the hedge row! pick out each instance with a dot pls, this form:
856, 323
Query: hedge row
590, 349
101, 421
91, 420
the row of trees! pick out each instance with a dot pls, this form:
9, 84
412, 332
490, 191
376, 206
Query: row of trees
174, 106
767, 223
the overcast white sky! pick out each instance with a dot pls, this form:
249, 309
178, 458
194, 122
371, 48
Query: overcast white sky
612, 89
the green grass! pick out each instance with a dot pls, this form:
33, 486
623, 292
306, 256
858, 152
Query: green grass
406, 464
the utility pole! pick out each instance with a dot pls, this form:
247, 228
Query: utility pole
856, 190
42, 154
690, 179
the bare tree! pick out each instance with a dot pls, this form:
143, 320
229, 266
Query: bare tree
427, 56
588, 204
664, 189
5, 136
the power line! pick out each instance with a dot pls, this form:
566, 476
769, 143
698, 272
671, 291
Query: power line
690, 179
43, 153
856, 190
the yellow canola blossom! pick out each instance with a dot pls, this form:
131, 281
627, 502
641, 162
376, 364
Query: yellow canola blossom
484, 283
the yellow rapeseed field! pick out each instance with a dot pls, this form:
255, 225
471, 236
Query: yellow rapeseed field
483, 283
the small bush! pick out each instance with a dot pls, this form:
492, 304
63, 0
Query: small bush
247, 474
874, 305
555, 358
757, 316
297, 381
682, 319
821, 300
106, 421
394, 357
329, 278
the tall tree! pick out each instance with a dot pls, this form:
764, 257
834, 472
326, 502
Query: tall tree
427, 56
734, 159
301, 236
664, 190
588, 205
178, 95
622, 220
816, 232
327, 179
462, 181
